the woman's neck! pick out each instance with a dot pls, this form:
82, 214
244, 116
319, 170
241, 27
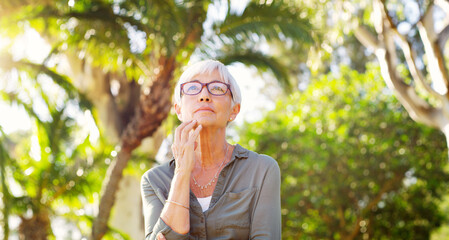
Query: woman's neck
212, 147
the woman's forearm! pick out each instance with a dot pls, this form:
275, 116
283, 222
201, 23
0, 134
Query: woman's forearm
175, 214
176, 210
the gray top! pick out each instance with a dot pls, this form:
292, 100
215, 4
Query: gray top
245, 203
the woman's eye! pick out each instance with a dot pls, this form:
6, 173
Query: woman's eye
218, 89
192, 88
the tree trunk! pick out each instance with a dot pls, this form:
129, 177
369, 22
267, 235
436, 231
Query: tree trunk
153, 109
35, 228
5, 196
128, 217
445, 131
114, 111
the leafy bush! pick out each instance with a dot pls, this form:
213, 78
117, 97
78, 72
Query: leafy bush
353, 164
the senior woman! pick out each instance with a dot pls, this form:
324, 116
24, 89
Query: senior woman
211, 189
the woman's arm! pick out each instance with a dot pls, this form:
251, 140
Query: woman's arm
152, 208
174, 214
266, 219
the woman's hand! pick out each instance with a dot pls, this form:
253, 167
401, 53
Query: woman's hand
184, 145
160, 236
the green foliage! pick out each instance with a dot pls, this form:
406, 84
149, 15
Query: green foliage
262, 62
268, 20
353, 164
54, 167
240, 37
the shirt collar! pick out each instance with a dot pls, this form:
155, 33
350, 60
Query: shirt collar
239, 153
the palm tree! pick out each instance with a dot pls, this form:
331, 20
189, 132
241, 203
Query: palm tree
140, 46
58, 170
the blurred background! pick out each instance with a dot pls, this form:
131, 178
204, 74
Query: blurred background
350, 97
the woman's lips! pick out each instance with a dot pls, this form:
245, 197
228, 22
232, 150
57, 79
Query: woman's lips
201, 109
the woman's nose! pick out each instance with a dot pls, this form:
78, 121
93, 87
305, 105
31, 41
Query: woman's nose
204, 95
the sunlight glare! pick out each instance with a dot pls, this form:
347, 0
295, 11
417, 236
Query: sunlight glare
31, 46
35, 151
4, 42
94, 133
255, 101
17, 119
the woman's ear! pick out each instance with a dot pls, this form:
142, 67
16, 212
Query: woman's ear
178, 111
235, 110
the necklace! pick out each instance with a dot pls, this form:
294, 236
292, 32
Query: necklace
216, 174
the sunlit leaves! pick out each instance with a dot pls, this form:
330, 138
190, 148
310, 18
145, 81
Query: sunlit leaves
352, 154
263, 62
269, 20
54, 163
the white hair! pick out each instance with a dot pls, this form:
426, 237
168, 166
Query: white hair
208, 66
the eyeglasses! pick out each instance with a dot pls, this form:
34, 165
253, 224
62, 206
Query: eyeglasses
215, 88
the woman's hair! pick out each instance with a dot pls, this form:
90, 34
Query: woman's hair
208, 66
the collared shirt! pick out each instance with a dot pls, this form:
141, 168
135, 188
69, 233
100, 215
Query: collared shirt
245, 203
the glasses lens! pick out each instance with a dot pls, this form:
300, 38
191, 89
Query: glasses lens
217, 88
191, 88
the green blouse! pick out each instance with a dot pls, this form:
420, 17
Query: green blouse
245, 203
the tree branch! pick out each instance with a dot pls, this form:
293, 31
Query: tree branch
436, 64
443, 36
418, 109
409, 53
341, 217
367, 38
143, 67
388, 186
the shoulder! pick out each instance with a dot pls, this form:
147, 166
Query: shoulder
259, 169
159, 173
258, 160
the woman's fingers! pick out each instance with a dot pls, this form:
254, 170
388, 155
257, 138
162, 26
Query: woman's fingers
193, 135
182, 135
178, 132
177, 143
174, 151
184, 145
186, 130
160, 236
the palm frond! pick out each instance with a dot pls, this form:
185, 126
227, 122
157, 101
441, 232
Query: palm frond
59, 79
12, 97
263, 63
273, 21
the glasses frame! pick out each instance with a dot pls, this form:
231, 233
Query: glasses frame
207, 87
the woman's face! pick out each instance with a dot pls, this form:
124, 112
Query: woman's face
209, 110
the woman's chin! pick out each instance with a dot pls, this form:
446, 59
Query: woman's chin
205, 122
